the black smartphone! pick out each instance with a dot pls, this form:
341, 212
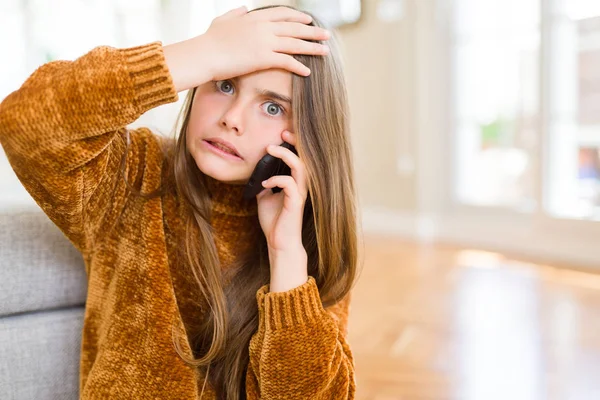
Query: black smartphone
267, 167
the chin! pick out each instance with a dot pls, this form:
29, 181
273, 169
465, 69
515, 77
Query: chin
218, 174
221, 170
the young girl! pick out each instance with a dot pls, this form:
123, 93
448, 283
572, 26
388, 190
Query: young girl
193, 291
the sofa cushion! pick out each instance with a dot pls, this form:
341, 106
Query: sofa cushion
40, 354
39, 268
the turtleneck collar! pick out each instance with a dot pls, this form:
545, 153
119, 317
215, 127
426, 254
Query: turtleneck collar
227, 198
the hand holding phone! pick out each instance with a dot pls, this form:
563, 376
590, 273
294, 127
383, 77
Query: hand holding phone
267, 167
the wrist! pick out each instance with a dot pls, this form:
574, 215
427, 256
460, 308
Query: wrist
289, 269
186, 71
206, 54
295, 251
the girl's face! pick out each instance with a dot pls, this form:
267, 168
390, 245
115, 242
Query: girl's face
250, 112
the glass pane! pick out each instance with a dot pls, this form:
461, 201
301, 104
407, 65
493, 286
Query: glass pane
333, 13
14, 49
9, 6
573, 169
33, 32
496, 100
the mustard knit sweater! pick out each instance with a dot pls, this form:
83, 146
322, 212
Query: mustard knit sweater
63, 132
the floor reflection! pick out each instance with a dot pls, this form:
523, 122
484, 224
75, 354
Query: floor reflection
436, 322
496, 324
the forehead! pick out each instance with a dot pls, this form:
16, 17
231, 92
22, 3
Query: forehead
277, 80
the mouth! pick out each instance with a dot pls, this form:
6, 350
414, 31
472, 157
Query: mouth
221, 150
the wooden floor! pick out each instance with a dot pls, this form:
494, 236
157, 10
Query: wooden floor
435, 322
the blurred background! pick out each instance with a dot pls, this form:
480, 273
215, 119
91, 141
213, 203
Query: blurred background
476, 133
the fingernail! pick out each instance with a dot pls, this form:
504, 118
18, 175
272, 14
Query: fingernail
327, 34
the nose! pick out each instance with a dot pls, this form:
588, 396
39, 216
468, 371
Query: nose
232, 117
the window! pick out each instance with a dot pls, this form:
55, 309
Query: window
496, 102
573, 170
527, 121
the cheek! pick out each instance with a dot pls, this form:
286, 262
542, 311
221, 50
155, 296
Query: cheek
264, 134
266, 130
205, 111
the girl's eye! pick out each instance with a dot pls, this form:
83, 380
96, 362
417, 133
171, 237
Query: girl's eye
273, 108
224, 86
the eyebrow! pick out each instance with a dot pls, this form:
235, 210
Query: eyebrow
274, 95
269, 93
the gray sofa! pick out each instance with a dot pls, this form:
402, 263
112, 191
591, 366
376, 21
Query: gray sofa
43, 288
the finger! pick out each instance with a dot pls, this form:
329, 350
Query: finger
293, 161
285, 61
235, 12
299, 46
287, 183
301, 31
284, 14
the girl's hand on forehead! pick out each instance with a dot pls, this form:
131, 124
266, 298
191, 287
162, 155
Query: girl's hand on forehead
241, 42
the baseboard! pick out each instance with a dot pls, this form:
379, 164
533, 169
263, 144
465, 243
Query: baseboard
573, 247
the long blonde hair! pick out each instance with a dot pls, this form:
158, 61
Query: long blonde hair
329, 232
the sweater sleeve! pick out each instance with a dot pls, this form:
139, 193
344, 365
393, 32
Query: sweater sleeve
63, 131
300, 349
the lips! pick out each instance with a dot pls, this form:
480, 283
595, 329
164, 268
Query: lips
223, 151
224, 148
223, 145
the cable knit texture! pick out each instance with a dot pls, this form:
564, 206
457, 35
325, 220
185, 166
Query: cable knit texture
64, 133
